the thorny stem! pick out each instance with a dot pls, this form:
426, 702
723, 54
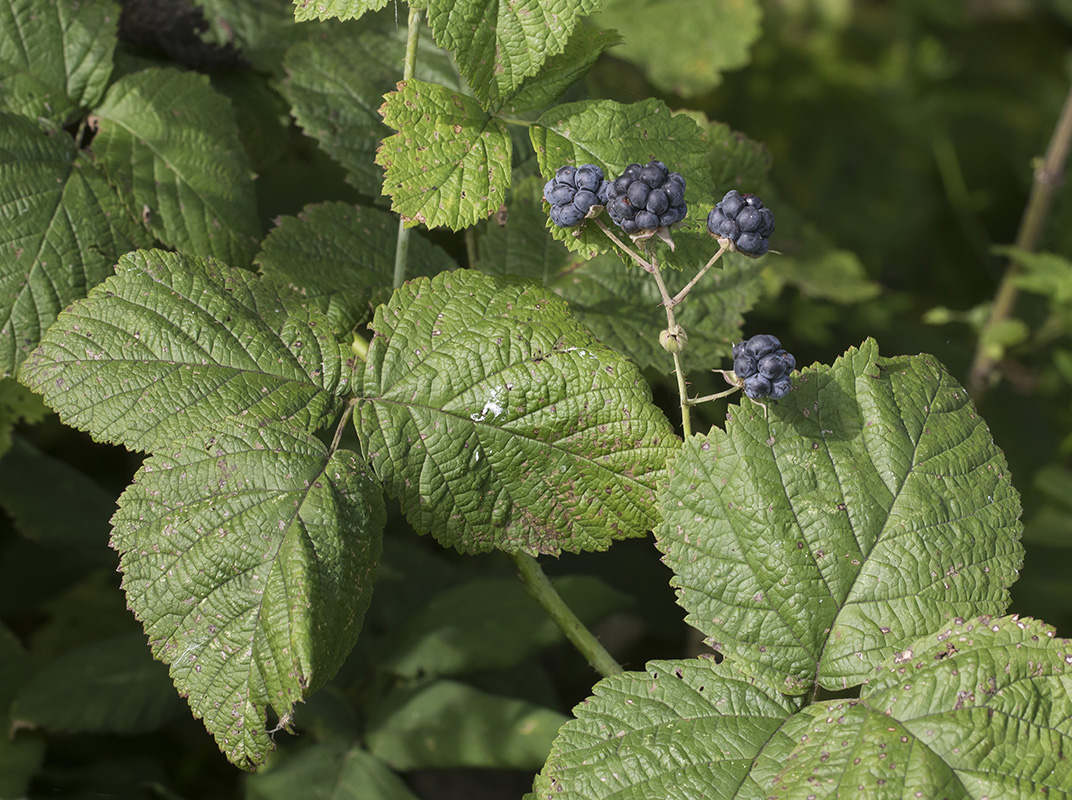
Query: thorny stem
688, 287
539, 586
408, 69
643, 264
1047, 178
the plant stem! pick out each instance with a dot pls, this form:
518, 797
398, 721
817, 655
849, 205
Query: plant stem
409, 68
1047, 178
643, 264
688, 287
539, 586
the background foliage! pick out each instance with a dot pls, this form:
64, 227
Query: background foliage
897, 142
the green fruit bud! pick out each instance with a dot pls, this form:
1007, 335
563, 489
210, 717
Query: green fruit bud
674, 339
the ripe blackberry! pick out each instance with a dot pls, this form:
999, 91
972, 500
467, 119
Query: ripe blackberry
572, 193
646, 198
742, 219
763, 366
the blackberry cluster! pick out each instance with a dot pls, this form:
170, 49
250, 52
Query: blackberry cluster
572, 193
646, 198
763, 366
743, 220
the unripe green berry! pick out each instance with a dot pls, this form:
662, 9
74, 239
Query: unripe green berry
674, 340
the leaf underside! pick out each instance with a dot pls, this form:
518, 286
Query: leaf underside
500, 422
816, 537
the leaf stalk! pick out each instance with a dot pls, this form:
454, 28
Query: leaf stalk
408, 69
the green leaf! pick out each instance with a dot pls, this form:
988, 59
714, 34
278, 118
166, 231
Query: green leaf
261, 29
685, 59
815, 537
737, 162
561, 71
63, 228
450, 162
110, 685
450, 724
17, 404
248, 556
333, 770
55, 58
170, 142
613, 136
682, 730
1047, 274
305, 10
980, 709
20, 754
500, 422
341, 258
174, 344
52, 503
498, 44
488, 623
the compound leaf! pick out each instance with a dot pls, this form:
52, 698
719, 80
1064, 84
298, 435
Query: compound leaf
681, 730
173, 344
55, 58
499, 43
449, 163
342, 258
614, 135
500, 422
980, 709
63, 228
685, 59
170, 142
817, 536
248, 555
305, 10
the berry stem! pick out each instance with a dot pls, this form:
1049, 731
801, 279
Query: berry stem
688, 287
644, 265
540, 588
679, 370
409, 67
1047, 179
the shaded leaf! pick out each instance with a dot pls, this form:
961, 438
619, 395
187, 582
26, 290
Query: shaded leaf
17, 404
499, 43
450, 724
685, 59
737, 162
341, 258
816, 537
450, 162
55, 58
681, 730
111, 685
500, 422
333, 770
248, 557
170, 142
63, 228
173, 344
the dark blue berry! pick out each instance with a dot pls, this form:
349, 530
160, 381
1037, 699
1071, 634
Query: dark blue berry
646, 198
744, 221
763, 366
572, 193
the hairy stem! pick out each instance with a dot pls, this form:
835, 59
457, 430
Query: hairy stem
1047, 177
539, 586
408, 69
688, 287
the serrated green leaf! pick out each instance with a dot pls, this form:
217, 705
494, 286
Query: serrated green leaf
174, 344
980, 709
488, 623
450, 724
248, 556
170, 142
63, 228
17, 404
341, 258
817, 536
52, 503
685, 59
333, 770
449, 164
111, 685
561, 71
500, 422
305, 10
55, 58
680, 731
614, 135
499, 43
737, 162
